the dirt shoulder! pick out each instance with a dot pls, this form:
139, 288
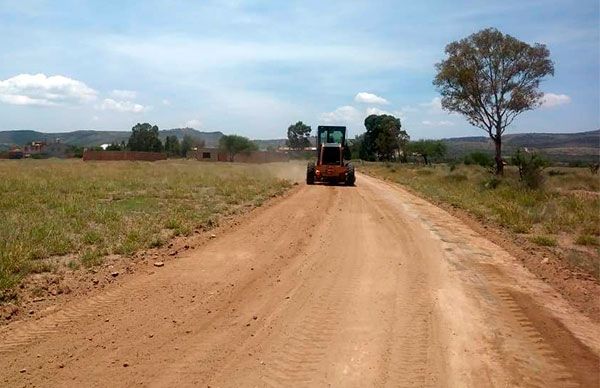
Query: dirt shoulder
579, 288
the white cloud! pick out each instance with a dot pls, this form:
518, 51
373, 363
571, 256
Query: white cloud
343, 115
166, 102
124, 94
433, 106
122, 106
40, 90
370, 98
376, 111
440, 123
550, 100
193, 123
95, 118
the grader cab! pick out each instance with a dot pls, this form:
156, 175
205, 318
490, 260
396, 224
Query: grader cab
331, 151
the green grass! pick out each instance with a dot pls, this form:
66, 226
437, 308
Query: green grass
586, 239
567, 205
51, 208
545, 241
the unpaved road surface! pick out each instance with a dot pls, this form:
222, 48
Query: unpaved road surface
332, 286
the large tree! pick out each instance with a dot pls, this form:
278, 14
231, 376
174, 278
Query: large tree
428, 149
491, 78
234, 144
172, 146
144, 137
383, 139
298, 136
189, 143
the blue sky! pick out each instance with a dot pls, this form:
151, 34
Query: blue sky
254, 67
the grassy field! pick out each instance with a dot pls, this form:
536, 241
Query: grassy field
53, 208
564, 214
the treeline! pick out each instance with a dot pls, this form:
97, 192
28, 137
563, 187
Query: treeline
144, 137
385, 140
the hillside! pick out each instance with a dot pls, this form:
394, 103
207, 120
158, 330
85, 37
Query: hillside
564, 147
89, 138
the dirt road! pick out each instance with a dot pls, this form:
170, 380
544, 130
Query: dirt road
333, 286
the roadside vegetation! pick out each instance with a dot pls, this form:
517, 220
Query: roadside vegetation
563, 212
81, 212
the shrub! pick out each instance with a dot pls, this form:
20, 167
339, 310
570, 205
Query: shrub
479, 158
530, 165
556, 173
492, 182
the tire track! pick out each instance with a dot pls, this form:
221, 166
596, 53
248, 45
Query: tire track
408, 362
26, 333
299, 358
536, 362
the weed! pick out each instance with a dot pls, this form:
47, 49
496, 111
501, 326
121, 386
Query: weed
91, 258
586, 239
545, 241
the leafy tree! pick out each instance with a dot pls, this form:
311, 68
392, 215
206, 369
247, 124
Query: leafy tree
355, 146
172, 146
234, 144
531, 166
144, 137
428, 149
479, 158
298, 136
188, 143
491, 78
114, 146
383, 139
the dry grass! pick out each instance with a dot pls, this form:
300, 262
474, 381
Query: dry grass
565, 213
51, 208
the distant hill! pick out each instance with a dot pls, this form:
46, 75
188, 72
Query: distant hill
565, 147
90, 138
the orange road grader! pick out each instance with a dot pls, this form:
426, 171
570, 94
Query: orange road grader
330, 166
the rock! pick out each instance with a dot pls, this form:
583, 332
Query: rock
95, 281
254, 317
159, 264
125, 364
9, 311
31, 312
545, 260
114, 274
213, 236
173, 253
23, 370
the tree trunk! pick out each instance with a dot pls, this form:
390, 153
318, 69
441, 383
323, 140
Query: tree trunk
425, 159
499, 161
